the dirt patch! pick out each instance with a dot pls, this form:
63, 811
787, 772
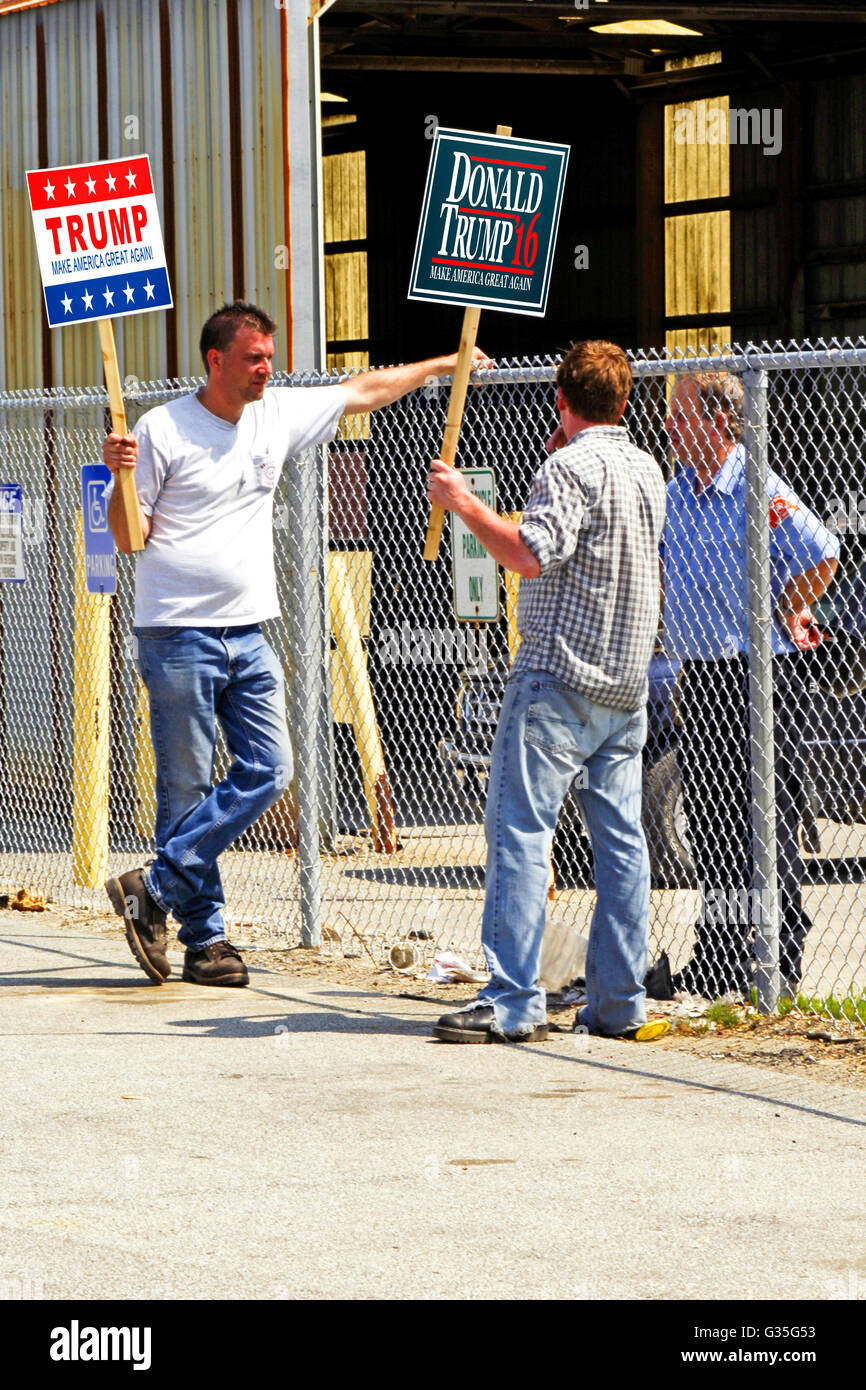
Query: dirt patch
810, 1045
831, 1050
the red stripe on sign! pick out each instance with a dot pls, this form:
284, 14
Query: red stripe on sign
481, 212
512, 163
481, 265
78, 184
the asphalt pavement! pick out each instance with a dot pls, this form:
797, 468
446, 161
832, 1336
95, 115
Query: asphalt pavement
307, 1141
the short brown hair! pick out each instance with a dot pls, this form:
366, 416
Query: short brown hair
595, 379
222, 326
719, 392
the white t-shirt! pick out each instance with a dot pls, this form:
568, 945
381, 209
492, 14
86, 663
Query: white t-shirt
208, 488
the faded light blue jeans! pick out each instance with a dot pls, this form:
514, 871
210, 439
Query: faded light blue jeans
197, 677
548, 733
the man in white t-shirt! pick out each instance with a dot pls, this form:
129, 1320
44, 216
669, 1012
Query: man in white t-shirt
206, 467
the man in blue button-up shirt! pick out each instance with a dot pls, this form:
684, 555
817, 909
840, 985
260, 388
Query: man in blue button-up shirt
706, 628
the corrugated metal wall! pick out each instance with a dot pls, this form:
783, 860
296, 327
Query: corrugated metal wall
201, 87
21, 312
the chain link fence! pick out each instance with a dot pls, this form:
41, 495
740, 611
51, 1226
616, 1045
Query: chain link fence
755, 776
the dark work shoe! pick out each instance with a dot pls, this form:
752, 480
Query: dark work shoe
145, 923
473, 1025
218, 964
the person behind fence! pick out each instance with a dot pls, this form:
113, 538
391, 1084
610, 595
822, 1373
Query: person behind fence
706, 629
574, 705
207, 466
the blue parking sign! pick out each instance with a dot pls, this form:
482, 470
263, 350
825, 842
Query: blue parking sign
99, 559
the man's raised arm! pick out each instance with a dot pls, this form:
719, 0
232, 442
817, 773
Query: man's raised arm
372, 390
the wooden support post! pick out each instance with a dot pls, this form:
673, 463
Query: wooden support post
90, 725
651, 225
512, 589
145, 766
126, 476
347, 634
455, 409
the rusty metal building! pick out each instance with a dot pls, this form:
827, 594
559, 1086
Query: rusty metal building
290, 142
223, 97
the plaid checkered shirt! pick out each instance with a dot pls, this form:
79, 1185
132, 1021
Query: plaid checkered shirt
594, 521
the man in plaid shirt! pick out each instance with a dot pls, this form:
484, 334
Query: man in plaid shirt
574, 705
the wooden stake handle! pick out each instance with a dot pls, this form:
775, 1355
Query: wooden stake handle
454, 421
126, 476
455, 409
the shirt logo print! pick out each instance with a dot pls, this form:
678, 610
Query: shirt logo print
780, 510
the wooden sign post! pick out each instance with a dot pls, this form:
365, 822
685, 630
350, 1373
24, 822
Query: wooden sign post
456, 406
126, 476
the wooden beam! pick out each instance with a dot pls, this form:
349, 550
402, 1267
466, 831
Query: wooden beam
790, 229
540, 67
650, 239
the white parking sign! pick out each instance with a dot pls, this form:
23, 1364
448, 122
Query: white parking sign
475, 572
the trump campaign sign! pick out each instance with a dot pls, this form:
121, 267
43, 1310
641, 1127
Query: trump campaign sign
98, 240
489, 221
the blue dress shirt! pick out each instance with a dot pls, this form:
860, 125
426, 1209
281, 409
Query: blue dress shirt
704, 556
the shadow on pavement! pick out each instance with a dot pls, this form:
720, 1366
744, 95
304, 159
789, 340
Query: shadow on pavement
698, 1085
279, 1023
437, 876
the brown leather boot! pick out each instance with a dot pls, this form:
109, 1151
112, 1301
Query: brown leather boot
218, 964
145, 923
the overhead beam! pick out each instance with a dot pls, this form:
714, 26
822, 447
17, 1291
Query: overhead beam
690, 84
578, 41
837, 11
395, 62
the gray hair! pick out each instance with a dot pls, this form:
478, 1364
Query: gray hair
722, 392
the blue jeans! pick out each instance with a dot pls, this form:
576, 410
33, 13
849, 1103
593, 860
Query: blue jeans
196, 676
547, 735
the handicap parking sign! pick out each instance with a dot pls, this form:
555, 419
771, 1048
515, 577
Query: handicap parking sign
99, 558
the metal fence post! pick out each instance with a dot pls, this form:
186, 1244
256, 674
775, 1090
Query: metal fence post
305, 623
765, 896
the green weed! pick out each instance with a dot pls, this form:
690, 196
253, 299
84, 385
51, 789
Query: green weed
724, 1014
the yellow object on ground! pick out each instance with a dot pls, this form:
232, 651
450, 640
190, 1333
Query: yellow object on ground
656, 1028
